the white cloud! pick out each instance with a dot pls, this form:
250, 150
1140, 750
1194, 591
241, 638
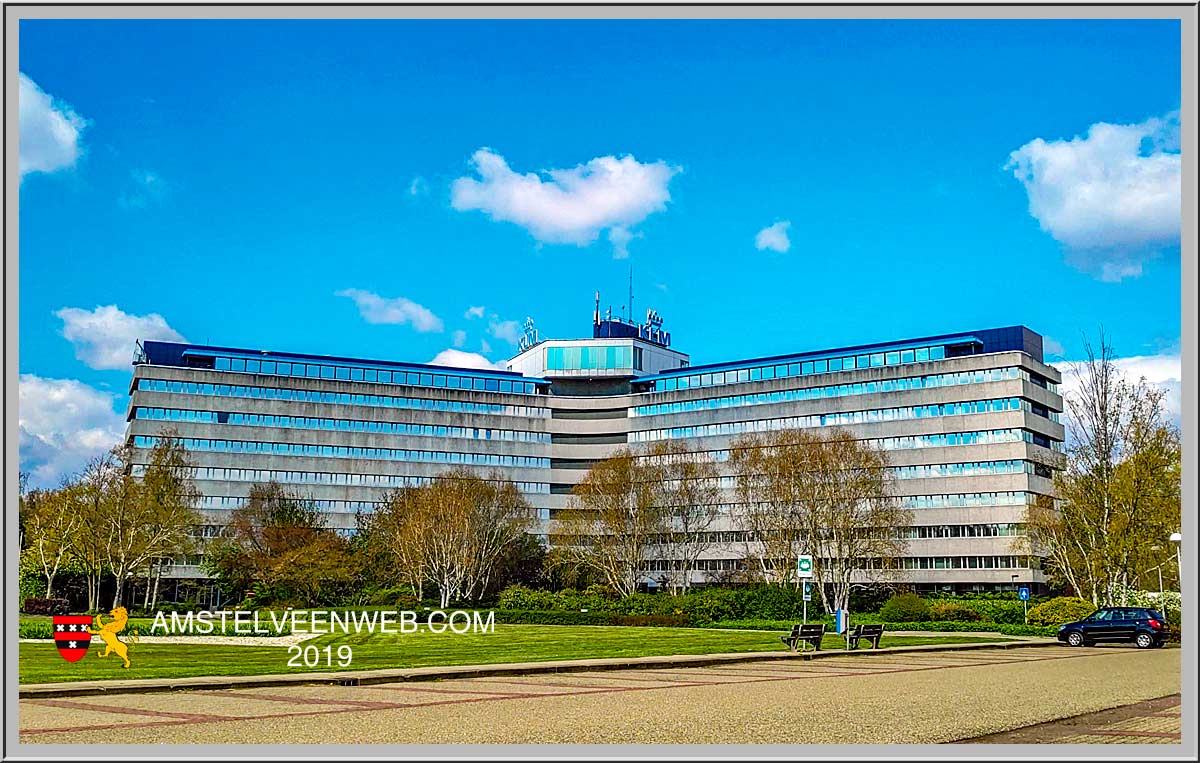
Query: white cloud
49, 130
484, 346
460, 359
418, 186
393, 310
104, 337
459, 338
1111, 198
620, 237
568, 206
774, 237
510, 331
474, 312
1163, 371
62, 423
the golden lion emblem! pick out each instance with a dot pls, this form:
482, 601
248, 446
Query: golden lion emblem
108, 631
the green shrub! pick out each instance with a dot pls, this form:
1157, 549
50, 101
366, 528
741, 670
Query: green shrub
949, 611
904, 608
36, 629
1064, 609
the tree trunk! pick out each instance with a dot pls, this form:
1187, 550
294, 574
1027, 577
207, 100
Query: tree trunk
93, 591
118, 593
154, 597
146, 596
49, 586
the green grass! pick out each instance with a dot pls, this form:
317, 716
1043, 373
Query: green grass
41, 663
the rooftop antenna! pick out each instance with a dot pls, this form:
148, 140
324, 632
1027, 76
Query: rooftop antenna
596, 314
631, 292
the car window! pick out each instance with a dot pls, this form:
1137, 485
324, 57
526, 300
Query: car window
1101, 615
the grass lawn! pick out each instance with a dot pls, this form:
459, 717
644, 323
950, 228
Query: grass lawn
40, 662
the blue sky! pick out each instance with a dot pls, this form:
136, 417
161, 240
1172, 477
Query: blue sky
223, 181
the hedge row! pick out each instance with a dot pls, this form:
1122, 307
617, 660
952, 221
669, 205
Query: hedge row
42, 629
704, 606
558, 617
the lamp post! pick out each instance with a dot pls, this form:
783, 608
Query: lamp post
1177, 539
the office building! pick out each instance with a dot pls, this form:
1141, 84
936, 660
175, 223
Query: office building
970, 421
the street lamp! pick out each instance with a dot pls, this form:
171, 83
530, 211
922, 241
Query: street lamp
1177, 539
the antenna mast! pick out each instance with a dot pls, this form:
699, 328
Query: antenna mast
631, 292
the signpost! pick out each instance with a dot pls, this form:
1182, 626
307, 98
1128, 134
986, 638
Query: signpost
1023, 595
804, 571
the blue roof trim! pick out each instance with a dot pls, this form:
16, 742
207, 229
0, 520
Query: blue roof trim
991, 340
173, 354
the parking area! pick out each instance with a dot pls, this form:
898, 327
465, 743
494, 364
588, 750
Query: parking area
860, 698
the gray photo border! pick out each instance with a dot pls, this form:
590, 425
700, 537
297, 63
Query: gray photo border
1186, 13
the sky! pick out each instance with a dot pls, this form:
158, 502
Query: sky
413, 190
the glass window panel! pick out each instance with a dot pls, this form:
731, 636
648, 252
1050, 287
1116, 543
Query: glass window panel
937, 353
327, 372
806, 368
253, 366
506, 386
342, 373
743, 375
848, 363
477, 384
237, 364
755, 374
221, 364
426, 380
781, 371
492, 385
835, 364
892, 358
876, 359
820, 366
907, 356
863, 361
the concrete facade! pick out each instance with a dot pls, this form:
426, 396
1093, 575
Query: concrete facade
971, 430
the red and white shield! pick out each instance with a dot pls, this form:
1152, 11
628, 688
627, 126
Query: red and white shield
71, 636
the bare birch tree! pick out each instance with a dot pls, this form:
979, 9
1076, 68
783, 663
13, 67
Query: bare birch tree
690, 496
1118, 497
613, 522
52, 528
452, 531
823, 494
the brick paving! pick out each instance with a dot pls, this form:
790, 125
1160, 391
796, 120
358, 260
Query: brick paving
919, 697
1156, 721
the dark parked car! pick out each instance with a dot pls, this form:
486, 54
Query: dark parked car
1144, 627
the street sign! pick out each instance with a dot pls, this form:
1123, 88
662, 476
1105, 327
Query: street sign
840, 620
807, 591
804, 568
1023, 593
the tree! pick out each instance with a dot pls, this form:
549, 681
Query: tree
148, 518
279, 544
52, 529
690, 496
614, 522
1118, 497
453, 531
823, 494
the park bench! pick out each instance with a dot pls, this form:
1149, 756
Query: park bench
871, 632
801, 634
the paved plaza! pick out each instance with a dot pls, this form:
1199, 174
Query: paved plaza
858, 698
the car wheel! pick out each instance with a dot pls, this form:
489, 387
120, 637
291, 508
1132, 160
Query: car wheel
1144, 641
1075, 638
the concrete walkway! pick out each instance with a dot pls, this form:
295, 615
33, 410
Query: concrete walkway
437, 673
